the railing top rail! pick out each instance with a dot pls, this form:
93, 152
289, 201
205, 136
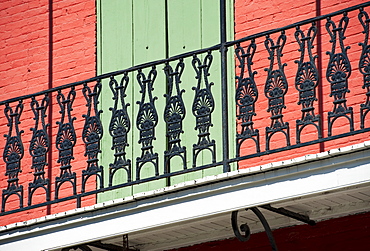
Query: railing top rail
297, 24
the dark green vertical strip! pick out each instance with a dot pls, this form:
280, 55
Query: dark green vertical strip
167, 167
225, 119
231, 82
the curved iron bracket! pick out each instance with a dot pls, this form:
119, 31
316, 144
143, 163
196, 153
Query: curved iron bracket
245, 228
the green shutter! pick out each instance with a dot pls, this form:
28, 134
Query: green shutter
132, 32
115, 52
149, 44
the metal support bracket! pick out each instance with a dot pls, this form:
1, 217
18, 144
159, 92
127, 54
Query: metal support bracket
290, 214
246, 230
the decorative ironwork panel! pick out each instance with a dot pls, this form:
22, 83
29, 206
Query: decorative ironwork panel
174, 114
306, 81
92, 134
364, 64
275, 89
338, 72
147, 120
13, 154
39, 147
246, 97
119, 127
65, 141
203, 106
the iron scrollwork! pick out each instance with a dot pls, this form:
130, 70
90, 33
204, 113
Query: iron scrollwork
338, 72
275, 89
92, 133
282, 211
246, 97
203, 106
39, 147
306, 81
119, 127
364, 64
147, 120
174, 114
246, 230
65, 141
13, 154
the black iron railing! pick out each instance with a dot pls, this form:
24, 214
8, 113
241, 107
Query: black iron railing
54, 136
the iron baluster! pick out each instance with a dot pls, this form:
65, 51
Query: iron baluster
119, 127
13, 154
364, 64
338, 72
174, 114
275, 89
246, 97
92, 134
224, 89
147, 120
203, 106
39, 148
65, 141
306, 81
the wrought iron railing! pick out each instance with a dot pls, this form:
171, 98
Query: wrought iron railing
63, 119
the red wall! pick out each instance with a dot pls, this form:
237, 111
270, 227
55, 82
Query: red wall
43, 47
350, 233
260, 15
35, 55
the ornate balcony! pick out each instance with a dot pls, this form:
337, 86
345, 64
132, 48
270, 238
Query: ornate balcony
232, 106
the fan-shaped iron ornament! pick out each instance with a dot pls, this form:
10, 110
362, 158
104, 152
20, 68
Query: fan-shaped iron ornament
13, 154
338, 72
306, 81
174, 114
203, 106
147, 120
65, 141
246, 96
119, 128
92, 134
275, 89
39, 148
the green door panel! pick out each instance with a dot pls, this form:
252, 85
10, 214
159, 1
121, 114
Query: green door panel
132, 32
149, 33
185, 34
115, 52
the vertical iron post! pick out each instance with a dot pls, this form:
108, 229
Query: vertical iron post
224, 95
